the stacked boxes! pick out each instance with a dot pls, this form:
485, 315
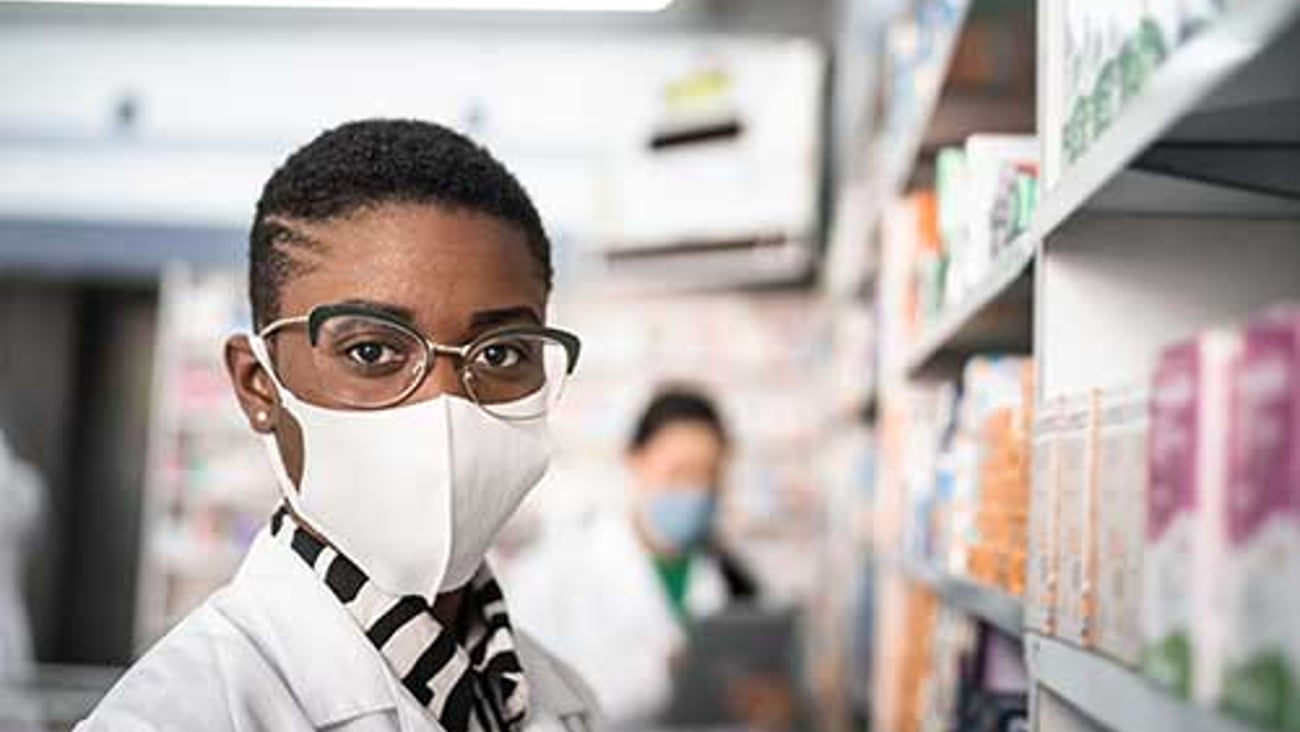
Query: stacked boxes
1086, 521
999, 555
1044, 510
1122, 435
923, 614
1075, 496
1165, 522
966, 473
985, 193
1184, 538
1261, 573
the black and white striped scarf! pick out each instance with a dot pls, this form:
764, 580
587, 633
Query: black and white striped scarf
483, 678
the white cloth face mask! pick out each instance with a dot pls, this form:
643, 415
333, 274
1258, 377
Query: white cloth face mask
413, 494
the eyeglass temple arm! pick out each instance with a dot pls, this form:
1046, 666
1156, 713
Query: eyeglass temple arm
276, 325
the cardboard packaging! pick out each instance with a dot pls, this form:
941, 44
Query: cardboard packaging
1122, 436
1261, 573
1184, 536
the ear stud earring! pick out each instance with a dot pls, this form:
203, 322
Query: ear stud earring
261, 415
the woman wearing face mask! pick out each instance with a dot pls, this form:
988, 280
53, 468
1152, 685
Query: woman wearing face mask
399, 374
616, 595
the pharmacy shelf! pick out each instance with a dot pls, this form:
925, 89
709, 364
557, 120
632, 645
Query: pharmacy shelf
900, 154
1112, 695
1217, 88
959, 328
993, 606
888, 161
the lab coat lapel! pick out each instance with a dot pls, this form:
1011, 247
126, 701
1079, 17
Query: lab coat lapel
555, 689
333, 672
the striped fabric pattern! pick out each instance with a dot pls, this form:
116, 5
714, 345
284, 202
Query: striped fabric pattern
481, 682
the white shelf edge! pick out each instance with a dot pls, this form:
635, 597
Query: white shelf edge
1001, 275
1112, 695
989, 604
1183, 82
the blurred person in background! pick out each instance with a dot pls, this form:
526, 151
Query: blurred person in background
617, 594
22, 500
399, 376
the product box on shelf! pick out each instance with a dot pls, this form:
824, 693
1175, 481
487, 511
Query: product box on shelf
1122, 435
985, 194
1099, 56
1261, 574
1076, 491
1044, 516
1002, 416
1000, 173
952, 188
930, 262
1185, 501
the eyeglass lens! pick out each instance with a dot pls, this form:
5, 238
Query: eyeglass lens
369, 362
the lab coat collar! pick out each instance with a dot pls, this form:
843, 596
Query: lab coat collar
330, 667
554, 687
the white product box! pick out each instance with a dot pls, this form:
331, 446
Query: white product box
1261, 577
1184, 537
1095, 57
1040, 580
990, 161
1122, 435
1076, 490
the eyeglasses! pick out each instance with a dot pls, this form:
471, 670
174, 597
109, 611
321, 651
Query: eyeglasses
368, 359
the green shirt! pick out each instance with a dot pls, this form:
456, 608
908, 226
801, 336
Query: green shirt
675, 573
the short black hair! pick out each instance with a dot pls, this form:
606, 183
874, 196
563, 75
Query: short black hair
368, 163
675, 404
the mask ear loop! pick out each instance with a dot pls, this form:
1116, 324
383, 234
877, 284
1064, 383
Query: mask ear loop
263, 356
288, 490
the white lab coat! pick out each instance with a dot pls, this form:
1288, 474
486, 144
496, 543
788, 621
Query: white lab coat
590, 591
22, 501
275, 650
22, 496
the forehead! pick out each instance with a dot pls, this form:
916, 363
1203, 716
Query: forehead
686, 441
443, 265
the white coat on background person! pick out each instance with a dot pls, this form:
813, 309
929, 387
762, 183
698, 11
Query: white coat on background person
591, 591
22, 499
615, 594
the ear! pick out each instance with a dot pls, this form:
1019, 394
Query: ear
253, 387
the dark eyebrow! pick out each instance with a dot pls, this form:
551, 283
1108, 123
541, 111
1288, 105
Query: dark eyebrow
504, 316
397, 312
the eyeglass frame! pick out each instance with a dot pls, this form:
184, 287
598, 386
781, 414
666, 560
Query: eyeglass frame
320, 313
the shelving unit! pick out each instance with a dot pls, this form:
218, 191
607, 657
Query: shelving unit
1006, 287
1186, 101
1233, 84
894, 159
208, 491
1182, 214
1002, 611
1112, 695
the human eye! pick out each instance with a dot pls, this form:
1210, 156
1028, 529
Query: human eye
502, 355
369, 354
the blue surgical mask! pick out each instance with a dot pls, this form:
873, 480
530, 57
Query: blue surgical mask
681, 516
